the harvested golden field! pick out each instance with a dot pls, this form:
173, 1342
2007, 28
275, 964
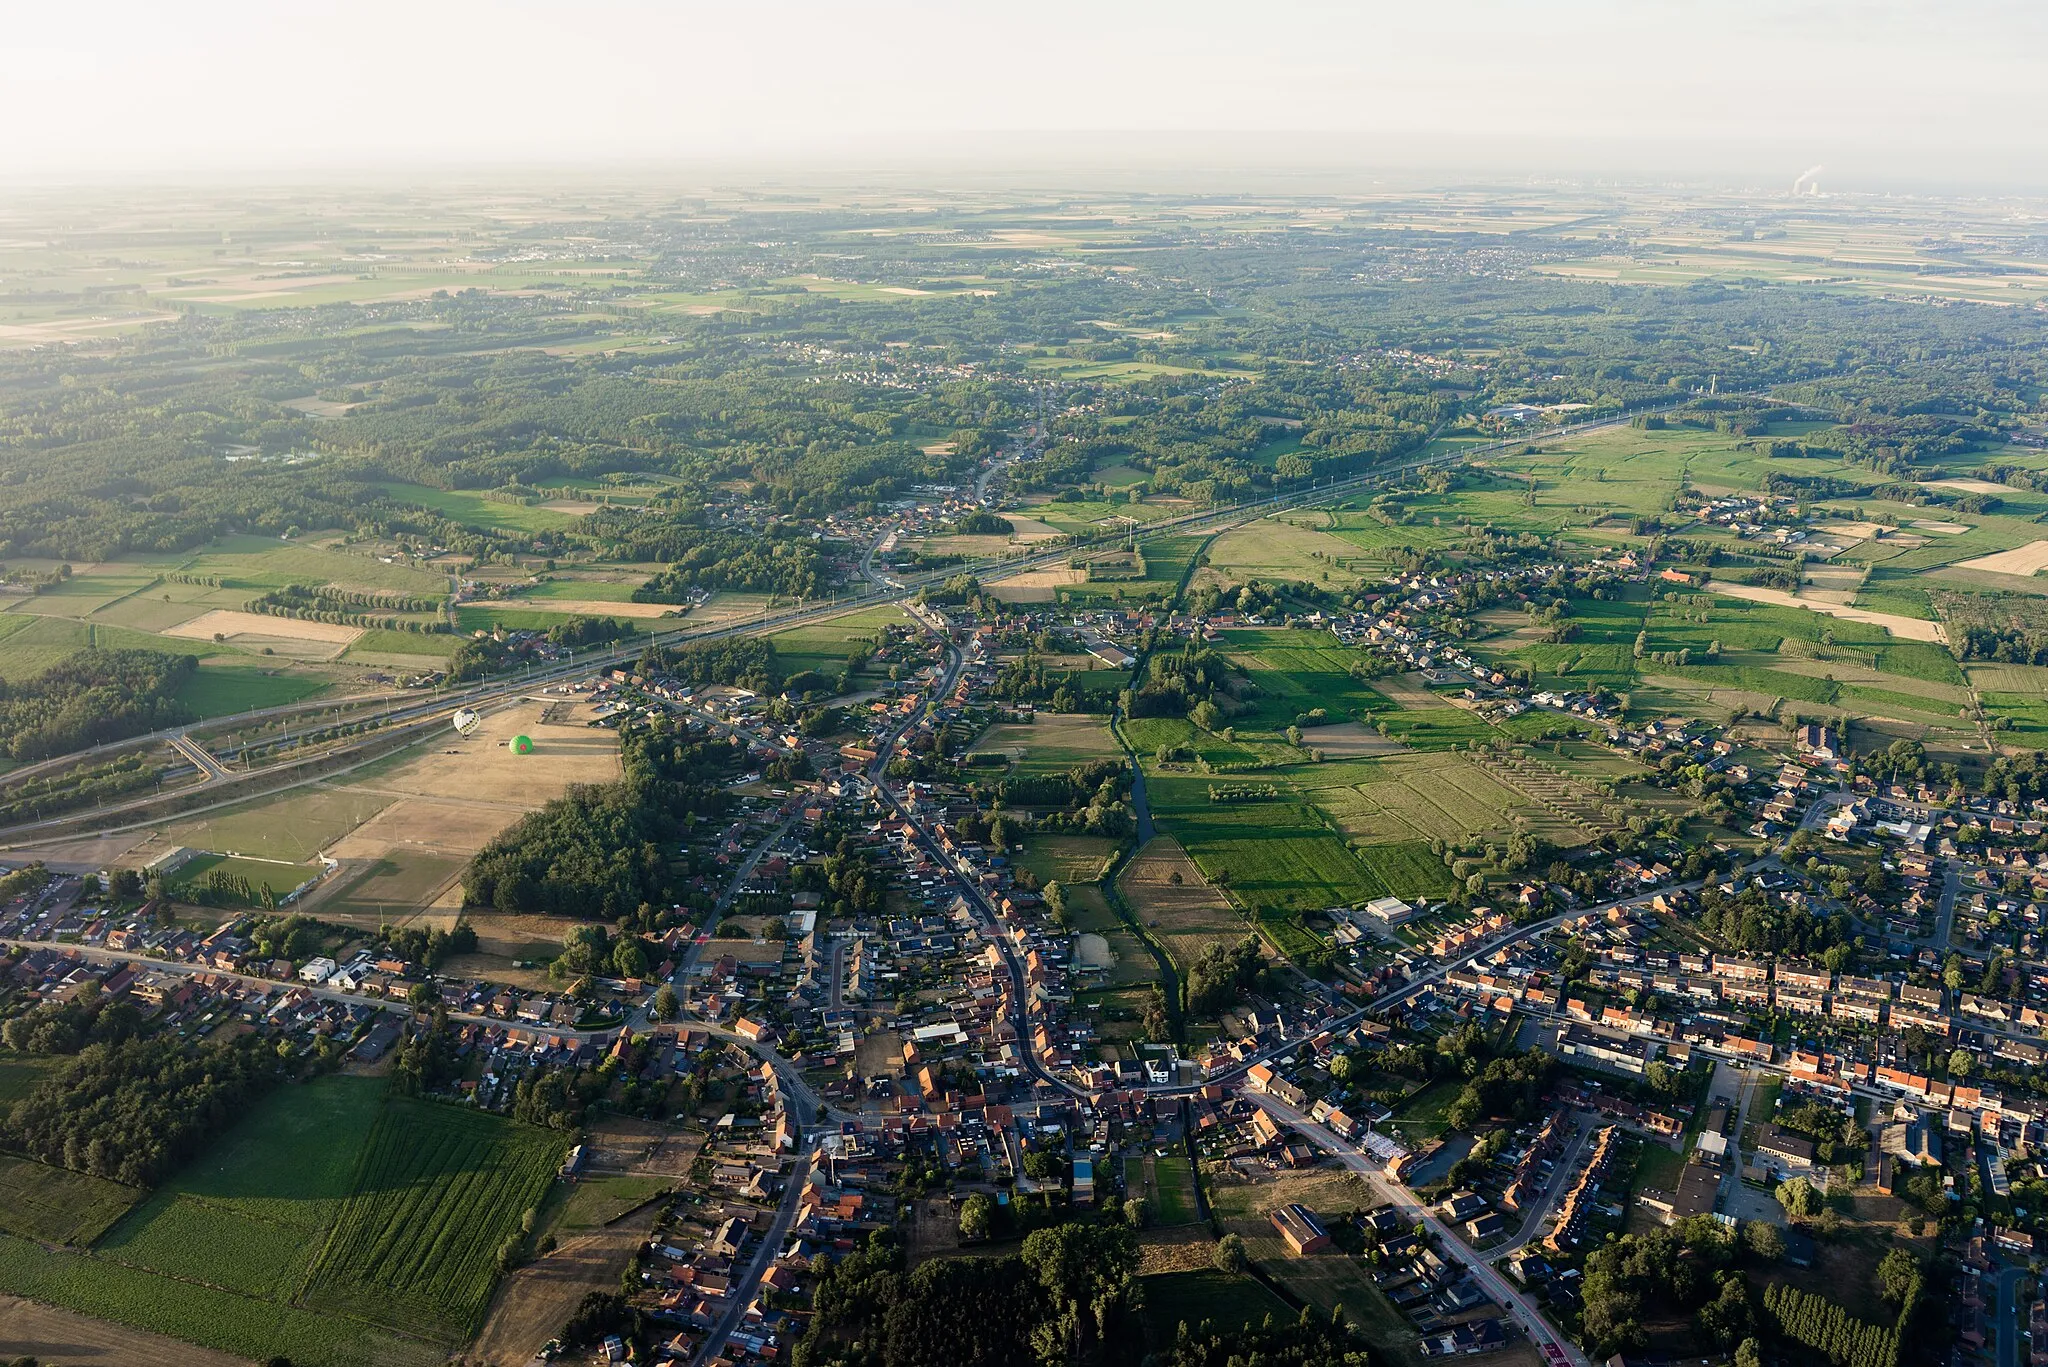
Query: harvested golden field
1186, 916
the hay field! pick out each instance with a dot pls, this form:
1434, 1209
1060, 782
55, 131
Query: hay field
2026, 560
1034, 586
1186, 917
593, 607
1435, 795
1904, 628
1284, 548
254, 630
1350, 740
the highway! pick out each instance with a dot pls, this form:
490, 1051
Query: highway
443, 703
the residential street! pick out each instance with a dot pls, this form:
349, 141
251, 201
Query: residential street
1493, 1283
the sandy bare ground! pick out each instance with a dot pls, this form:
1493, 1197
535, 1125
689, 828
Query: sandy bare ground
100, 851
1971, 486
2029, 559
1407, 690
464, 790
53, 1336
1348, 741
1862, 531
592, 607
563, 505
318, 408
534, 1302
1941, 528
1905, 628
329, 638
1036, 586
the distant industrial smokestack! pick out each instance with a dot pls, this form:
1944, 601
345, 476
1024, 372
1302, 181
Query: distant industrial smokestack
1800, 186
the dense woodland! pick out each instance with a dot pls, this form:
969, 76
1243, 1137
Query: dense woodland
93, 697
601, 851
134, 1109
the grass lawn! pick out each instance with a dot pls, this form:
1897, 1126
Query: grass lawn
597, 1201
825, 646
259, 562
586, 590
39, 643
474, 510
295, 825
261, 873
19, 1073
1054, 743
438, 644
1225, 1300
1421, 1116
486, 616
221, 690
1174, 1191
1068, 858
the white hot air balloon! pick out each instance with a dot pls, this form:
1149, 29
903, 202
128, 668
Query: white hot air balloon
467, 720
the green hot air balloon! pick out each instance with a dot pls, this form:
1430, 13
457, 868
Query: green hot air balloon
521, 745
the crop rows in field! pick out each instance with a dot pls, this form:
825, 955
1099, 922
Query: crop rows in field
438, 1193
1567, 800
242, 1325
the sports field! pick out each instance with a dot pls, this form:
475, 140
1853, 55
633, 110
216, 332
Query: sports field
1052, 743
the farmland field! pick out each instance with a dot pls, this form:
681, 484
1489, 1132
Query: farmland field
248, 1216
1185, 917
58, 1206
217, 1256
437, 1192
475, 510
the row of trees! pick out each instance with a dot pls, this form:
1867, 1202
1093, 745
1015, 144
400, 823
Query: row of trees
1824, 1326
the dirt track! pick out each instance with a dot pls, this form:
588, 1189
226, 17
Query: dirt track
64, 1338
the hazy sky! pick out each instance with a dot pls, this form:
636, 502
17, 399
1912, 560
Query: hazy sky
1881, 90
